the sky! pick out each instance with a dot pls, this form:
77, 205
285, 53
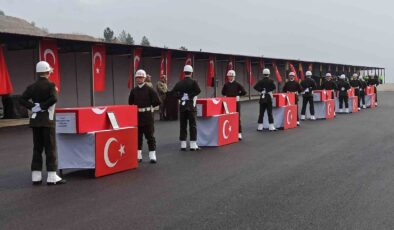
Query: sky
355, 32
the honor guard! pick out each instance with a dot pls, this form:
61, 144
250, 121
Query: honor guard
355, 83
145, 98
343, 87
374, 82
265, 87
40, 98
308, 85
232, 88
187, 91
329, 84
363, 88
294, 87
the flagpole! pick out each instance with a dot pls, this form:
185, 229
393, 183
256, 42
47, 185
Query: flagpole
214, 78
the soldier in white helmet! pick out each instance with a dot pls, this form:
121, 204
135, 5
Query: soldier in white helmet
294, 87
363, 88
146, 99
308, 85
265, 87
232, 88
40, 98
187, 91
343, 87
355, 83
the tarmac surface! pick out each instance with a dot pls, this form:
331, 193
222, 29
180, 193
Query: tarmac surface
326, 174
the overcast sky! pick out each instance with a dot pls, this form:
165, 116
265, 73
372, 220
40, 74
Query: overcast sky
358, 32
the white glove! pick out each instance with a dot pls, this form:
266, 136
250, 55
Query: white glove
238, 98
343, 89
36, 108
185, 97
306, 90
263, 92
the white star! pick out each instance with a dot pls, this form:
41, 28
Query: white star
98, 70
121, 150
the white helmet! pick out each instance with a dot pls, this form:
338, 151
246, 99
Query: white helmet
231, 73
188, 68
342, 76
43, 67
355, 75
291, 74
308, 73
140, 73
328, 74
266, 71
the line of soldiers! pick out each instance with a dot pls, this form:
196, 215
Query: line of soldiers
41, 98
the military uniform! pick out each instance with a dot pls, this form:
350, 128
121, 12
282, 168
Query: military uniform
363, 87
234, 89
355, 83
187, 91
145, 98
265, 87
330, 85
308, 85
43, 123
294, 87
162, 90
343, 87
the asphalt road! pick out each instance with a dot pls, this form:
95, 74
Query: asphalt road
334, 174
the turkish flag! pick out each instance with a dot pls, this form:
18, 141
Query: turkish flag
330, 108
278, 77
290, 117
228, 128
137, 52
294, 71
116, 150
249, 72
301, 71
5, 82
211, 71
310, 67
188, 61
98, 67
48, 53
165, 61
230, 66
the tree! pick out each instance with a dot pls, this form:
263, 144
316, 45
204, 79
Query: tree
2, 13
122, 36
129, 39
183, 48
108, 35
145, 41
33, 23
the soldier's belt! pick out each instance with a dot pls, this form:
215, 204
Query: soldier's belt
147, 109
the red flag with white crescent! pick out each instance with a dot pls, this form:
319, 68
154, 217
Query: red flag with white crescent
277, 74
211, 71
294, 71
48, 53
249, 72
165, 62
301, 70
5, 82
188, 61
98, 67
137, 52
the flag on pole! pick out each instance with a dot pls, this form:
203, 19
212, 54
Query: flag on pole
5, 82
249, 72
48, 53
277, 74
301, 70
211, 71
294, 71
98, 67
137, 52
188, 61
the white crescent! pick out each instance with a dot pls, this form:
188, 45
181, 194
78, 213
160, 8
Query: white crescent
289, 117
224, 129
136, 58
49, 51
97, 54
188, 61
329, 109
215, 100
98, 110
106, 148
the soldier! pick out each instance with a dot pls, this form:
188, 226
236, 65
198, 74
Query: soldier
162, 90
265, 87
374, 81
343, 87
363, 87
355, 83
145, 98
187, 91
40, 98
294, 87
148, 81
233, 88
329, 84
308, 85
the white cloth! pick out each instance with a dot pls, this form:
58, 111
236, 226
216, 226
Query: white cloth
36, 108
